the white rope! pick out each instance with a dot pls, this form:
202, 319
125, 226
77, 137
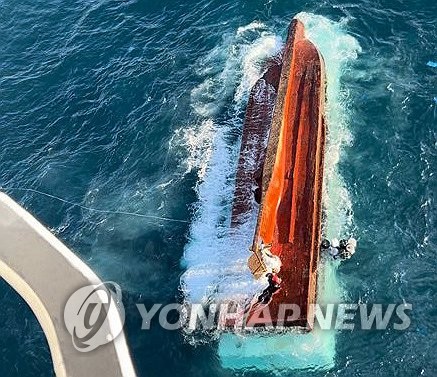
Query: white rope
73, 204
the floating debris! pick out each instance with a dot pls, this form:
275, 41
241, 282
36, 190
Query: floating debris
432, 64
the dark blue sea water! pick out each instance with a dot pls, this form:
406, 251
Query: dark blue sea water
137, 106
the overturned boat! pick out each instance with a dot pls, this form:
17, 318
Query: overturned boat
280, 173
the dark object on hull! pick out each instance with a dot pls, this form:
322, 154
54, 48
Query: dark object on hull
274, 286
342, 250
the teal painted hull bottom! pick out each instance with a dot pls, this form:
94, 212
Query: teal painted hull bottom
314, 351
278, 352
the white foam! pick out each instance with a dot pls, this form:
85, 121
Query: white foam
236, 62
216, 260
266, 46
255, 25
198, 141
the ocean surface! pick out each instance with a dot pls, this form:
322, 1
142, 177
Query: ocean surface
137, 106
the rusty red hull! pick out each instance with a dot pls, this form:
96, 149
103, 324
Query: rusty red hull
292, 171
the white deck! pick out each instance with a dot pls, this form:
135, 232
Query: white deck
45, 273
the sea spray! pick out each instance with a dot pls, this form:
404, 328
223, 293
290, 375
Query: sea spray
217, 264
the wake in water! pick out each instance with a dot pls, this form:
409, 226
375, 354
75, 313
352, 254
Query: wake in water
215, 258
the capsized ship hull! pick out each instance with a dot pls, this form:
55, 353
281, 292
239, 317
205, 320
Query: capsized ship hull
288, 172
